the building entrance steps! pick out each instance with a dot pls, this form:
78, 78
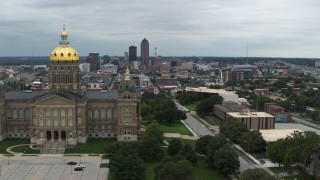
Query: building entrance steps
54, 147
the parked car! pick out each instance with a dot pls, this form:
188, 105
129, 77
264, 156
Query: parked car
78, 169
72, 163
81, 165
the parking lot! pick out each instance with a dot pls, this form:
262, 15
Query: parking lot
50, 168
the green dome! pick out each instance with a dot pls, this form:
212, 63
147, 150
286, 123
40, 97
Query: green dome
127, 85
11, 81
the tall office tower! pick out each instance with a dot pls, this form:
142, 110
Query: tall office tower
132, 53
94, 61
126, 57
145, 53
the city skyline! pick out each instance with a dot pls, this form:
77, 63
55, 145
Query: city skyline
177, 28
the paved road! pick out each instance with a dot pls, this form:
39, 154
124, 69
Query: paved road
202, 130
194, 124
308, 123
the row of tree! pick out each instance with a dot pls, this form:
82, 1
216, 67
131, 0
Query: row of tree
300, 147
239, 133
127, 158
218, 153
161, 108
204, 101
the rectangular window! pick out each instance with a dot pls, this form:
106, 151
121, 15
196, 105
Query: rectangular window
103, 113
40, 122
40, 112
63, 112
47, 111
21, 114
27, 114
35, 122
55, 122
9, 114
96, 114
109, 113
90, 114
70, 122
69, 112
48, 122
115, 114
55, 112
63, 121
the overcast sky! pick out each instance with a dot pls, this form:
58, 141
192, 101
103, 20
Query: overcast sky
272, 28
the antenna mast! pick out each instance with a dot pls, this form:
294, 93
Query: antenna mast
155, 51
247, 53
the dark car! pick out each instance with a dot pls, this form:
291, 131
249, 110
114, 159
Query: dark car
72, 163
78, 169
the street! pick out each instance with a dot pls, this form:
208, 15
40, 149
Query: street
202, 130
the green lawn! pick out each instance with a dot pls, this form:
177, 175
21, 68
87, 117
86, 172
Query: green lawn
93, 146
299, 177
191, 107
175, 128
25, 149
202, 172
277, 170
11, 142
212, 120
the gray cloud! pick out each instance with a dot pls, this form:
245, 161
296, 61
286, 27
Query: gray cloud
286, 28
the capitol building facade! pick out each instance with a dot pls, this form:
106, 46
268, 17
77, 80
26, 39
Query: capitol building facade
65, 112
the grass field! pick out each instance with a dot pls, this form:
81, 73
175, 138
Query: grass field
175, 128
93, 146
25, 149
212, 120
191, 107
202, 172
11, 142
299, 177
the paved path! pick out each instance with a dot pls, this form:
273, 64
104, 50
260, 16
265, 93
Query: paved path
199, 128
178, 135
308, 123
11, 152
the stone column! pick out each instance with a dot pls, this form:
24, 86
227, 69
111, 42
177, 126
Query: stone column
59, 135
52, 136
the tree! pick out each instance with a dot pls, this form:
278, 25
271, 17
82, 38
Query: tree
252, 141
150, 150
174, 147
315, 115
256, 174
127, 167
189, 153
206, 106
226, 160
181, 170
153, 130
202, 143
214, 144
233, 129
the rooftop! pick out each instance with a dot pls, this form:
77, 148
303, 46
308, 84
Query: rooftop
271, 135
249, 114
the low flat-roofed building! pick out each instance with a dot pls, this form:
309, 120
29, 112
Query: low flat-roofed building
226, 95
220, 110
271, 135
253, 120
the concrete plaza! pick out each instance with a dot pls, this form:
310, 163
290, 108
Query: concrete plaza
50, 167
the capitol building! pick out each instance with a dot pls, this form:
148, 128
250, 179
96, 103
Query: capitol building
67, 113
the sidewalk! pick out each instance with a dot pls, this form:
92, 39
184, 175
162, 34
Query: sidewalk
305, 122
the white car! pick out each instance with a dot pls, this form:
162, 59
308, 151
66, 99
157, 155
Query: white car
80, 166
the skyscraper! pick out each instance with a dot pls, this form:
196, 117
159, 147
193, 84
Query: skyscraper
145, 53
132, 53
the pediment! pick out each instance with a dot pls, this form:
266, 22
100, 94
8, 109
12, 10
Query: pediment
54, 100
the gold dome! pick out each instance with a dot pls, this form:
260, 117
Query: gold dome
64, 52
